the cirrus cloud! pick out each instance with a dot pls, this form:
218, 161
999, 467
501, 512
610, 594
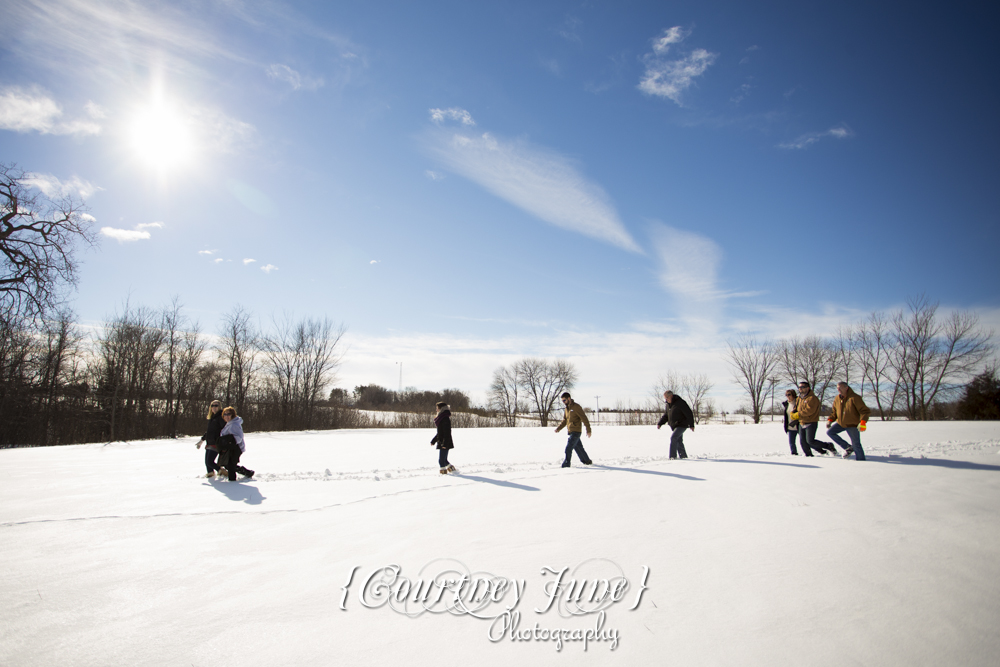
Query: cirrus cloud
547, 185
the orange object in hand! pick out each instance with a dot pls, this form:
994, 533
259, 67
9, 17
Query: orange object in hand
863, 426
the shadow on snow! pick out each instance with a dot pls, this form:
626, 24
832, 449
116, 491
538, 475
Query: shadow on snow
238, 491
650, 472
498, 482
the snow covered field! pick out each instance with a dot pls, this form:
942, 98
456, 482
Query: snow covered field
123, 554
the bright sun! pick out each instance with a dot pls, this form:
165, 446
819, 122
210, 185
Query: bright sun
161, 138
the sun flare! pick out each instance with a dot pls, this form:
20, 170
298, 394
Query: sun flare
161, 137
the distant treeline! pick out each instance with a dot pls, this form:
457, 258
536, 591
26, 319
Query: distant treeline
375, 397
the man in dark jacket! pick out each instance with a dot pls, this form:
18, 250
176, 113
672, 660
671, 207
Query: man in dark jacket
679, 418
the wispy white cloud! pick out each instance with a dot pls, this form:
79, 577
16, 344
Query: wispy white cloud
806, 140
670, 78
34, 111
206, 252
374, 261
54, 187
125, 235
433, 175
138, 233
267, 268
570, 29
689, 262
669, 37
541, 182
248, 261
741, 94
454, 113
278, 72
219, 132
219, 260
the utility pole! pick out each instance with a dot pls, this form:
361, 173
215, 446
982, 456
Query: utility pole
774, 381
598, 399
400, 376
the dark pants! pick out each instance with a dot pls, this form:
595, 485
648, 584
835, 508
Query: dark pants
210, 456
677, 443
229, 458
791, 441
807, 438
443, 458
574, 444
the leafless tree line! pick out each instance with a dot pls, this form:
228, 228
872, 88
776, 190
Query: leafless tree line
529, 385
151, 373
906, 361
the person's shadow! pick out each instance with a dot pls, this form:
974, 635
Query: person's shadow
239, 491
498, 482
943, 463
649, 472
765, 463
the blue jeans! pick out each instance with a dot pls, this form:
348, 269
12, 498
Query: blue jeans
677, 443
210, 463
575, 445
791, 441
852, 432
807, 435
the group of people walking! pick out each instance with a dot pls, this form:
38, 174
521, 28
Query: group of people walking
849, 413
224, 437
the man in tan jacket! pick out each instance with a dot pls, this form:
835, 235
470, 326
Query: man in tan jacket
807, 412
573, 419
851, 415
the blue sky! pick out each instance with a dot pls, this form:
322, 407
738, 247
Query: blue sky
622, 184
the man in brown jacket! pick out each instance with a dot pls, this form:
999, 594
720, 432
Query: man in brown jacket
851, 415
573, 419
807, 412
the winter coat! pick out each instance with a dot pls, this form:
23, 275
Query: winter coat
849, 410
574, 419
678, 415
808, 408
443, 438
234, 429
790, 424
215, 426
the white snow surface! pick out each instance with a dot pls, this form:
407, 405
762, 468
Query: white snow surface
124, 554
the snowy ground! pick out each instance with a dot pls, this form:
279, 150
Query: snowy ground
123, 554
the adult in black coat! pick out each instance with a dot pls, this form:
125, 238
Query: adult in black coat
211, 438
443, 438
791, 425
679, 418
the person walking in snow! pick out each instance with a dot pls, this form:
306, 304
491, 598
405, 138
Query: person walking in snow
443, 437
232, 445
215, 424
679, 418
573, 420
807, 412
851, 415
791, 424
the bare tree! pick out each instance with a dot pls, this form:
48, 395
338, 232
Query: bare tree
301, 358
933, 355
504, 395
239, 346
811, 359
543, 382
752, 363
874, 353
38, 238
129, 352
